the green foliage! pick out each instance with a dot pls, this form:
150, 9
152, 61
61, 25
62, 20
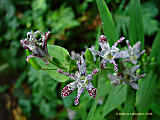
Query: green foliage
136, 30
116, 97
60, 59
102, 86
129, 104
89, 60
107, 21
146, 90
155, 48
61, 20
148, 10
43, 88
33, 62
70, 21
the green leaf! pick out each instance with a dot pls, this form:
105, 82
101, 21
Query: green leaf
103, 85
150, 11
61, 59
98, 115
145, 94
61, 19
156, 108
88, 56
92, 111
33, 62
61, 55
136, 29
148, 85
116, 97
89, 60
51, 69
156, 48
96, 45
107, 22
129, 104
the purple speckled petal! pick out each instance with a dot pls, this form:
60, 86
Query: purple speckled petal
91, 90
68, 89
115, 65
80, 90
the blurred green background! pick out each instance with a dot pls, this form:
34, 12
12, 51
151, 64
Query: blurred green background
27, 94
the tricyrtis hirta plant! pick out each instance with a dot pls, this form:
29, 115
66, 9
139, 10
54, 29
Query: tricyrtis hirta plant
37, 44
119, 57
111, 54
81, 81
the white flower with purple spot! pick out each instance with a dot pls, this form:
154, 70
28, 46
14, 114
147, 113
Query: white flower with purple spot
109, 54
128, 76
132, 54
81, 81
37, 44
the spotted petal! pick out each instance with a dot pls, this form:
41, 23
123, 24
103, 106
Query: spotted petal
68, 89
38, 46
91, 90
80, 90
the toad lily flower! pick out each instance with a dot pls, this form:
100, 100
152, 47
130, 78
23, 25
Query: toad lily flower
81, 81
128, 76
37, 44
109, 54
133, 53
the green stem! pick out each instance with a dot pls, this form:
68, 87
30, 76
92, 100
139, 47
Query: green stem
47, 69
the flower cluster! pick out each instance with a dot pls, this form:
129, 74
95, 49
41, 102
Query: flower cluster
81, 81
128, 76
37, 44
110, 54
